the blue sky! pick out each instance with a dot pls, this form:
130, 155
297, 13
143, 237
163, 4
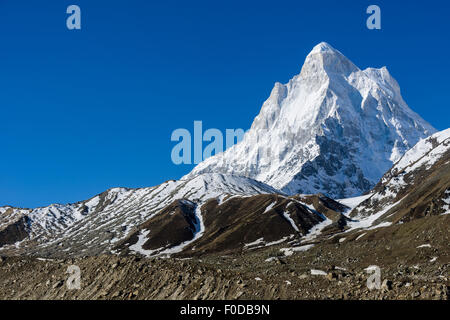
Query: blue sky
83, 111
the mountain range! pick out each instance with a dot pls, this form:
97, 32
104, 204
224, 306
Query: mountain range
334, 151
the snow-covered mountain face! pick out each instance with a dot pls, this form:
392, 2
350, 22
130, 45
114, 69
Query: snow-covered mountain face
96, 225
417, 185
333, 129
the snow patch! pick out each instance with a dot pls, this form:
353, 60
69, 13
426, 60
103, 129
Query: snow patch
254, 243
270, 206
290, 251
316, 272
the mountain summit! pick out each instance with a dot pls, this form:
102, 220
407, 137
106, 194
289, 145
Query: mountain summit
333, 129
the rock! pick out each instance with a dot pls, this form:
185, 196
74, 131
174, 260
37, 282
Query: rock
58, 284
332, 276
103, 293
117, 294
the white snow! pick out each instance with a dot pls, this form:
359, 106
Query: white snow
254, 243
367, 222
268, 244
316, 272
360, 236
259, 243
353, 202
290, 251
44, 259
137, 247
270, 259
291, 221
270, 206
421, 149
316, 230
446, 206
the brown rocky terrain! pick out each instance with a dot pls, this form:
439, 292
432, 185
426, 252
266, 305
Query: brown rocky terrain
413, 258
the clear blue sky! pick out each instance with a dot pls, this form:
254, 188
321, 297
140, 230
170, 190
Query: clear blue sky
83, 111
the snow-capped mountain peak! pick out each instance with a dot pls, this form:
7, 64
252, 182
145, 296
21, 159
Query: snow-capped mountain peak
324, 58
333, 128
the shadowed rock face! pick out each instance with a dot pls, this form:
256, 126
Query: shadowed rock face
173, 226
330, 208
334, 158
240, 221
14, 232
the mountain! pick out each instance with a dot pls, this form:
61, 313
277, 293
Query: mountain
96, 225
237, 223
207, 214
418, 185
333, 129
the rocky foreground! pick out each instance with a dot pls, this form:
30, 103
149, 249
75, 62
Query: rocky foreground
413, 259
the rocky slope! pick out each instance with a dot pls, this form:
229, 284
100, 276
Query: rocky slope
418, 185
333, 129
96, 226
228, 226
